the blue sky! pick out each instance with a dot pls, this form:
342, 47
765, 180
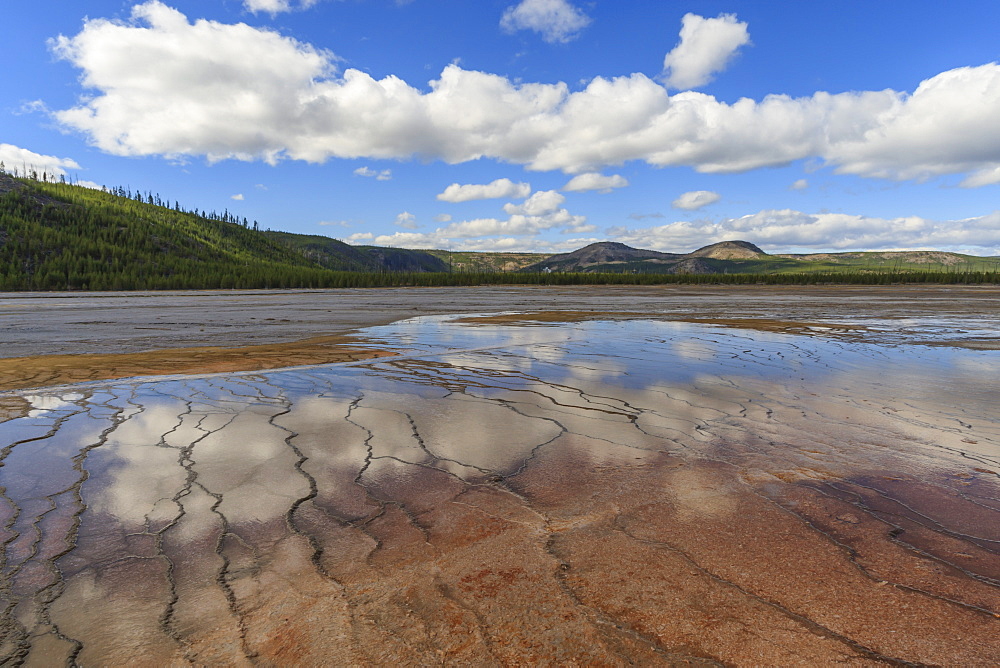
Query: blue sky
538, 125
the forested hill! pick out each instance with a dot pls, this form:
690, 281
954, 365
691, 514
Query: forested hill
59, 236
56, 236
336, 255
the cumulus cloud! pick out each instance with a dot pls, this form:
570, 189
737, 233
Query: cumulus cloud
407, 220
554, 20
984, 177
772, 230
706, 47
442, 218
541, 213
801, 184
22, 160
368, 172
595, 181
507, 244
541, 203
786, 228
501, 188
162, 85
936, 130
238, 197
696, 199
276, 6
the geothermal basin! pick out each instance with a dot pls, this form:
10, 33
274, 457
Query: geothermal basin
509, 488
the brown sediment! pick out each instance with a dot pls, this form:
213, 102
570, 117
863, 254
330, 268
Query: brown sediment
13, 407
783, 326
970, 344
43, 371
48, 370
548, 317
757, 324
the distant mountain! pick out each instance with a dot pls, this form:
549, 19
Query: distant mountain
616, 257
729, 250
743, 257
600, 254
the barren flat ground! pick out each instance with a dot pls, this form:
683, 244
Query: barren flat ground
501, 476
201, 331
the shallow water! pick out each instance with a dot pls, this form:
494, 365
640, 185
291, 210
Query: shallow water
612, 491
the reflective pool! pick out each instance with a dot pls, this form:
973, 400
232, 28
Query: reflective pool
593, 491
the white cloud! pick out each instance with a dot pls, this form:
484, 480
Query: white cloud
276, 6
22, 160
507, 244
407, 220
706, 47
801, 184
786, 228
359, 236
595, 181
238, 197
984, 177
334, 223
501, 188
541, 203
555, 20
161, 85
537, 215
442, 218
517, 225
696, 199
368, 172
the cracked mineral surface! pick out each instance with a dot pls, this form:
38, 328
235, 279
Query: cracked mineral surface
515, 490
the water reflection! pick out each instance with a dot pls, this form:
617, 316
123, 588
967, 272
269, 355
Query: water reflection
213, 490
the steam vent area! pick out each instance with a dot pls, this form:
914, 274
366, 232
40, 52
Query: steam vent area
573, 485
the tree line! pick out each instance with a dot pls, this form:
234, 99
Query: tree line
57, 236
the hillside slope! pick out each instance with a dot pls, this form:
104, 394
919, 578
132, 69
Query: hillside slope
339, 256
59, 236
486, 261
